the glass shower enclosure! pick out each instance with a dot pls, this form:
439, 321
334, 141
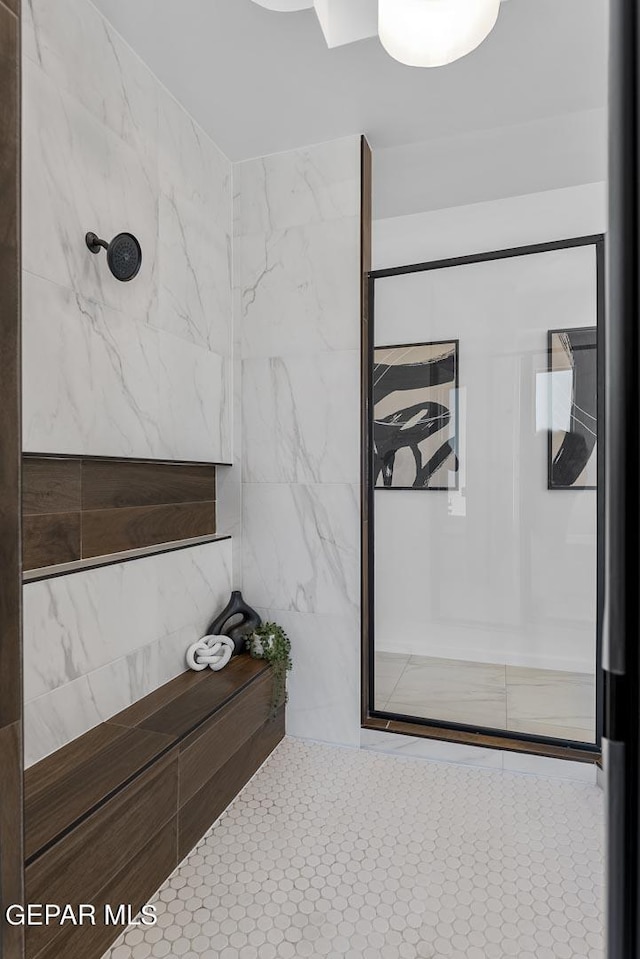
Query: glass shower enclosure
484, 484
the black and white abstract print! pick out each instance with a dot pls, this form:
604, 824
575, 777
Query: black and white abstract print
414, 408
574, 387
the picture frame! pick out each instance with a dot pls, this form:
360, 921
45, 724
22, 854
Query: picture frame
573, 384
415, 437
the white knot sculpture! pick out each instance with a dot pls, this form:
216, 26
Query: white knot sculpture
212, 651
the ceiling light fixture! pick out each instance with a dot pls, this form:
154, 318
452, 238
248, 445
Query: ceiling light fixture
420, 33
431, 33
285, 6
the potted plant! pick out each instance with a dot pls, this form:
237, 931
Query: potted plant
270, 642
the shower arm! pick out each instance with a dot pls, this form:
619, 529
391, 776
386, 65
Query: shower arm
95, 243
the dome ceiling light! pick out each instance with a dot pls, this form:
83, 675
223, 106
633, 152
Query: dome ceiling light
430, 33
285, 6
419, 33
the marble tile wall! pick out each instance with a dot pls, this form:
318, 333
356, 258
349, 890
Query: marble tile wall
297, 317
140, 369
98, 640
120, 369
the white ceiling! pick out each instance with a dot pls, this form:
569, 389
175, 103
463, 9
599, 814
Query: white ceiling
260, 82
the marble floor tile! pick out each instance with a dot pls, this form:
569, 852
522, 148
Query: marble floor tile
389, 668
551, 703
331, 852
452, 691
543, 702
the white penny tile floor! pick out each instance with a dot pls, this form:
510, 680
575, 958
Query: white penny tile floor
345, 853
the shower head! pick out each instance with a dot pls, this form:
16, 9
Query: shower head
124, 254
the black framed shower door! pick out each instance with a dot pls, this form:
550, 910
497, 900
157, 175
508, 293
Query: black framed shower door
462, 732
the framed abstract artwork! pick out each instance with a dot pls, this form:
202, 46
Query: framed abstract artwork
573, 437
415, 416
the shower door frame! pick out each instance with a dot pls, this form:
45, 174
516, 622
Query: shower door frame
372, 718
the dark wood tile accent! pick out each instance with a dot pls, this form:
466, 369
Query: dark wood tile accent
76, 509
105, 812
196, 816
160, 698
13, 5
107, 485
69, 785
181, 706
185, 713
366, 203
216, 741
65, 787
11, 761
366, 219
135, 883
51, 539
51, 485
49, 771
11, 873
116, 559
10, 438
116, 530
74, 870
480, 739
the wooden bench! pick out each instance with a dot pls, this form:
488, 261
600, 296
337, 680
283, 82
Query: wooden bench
109, 816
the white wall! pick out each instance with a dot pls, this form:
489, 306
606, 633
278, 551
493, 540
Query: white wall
511, 578
297, 274
546, 154
140, 369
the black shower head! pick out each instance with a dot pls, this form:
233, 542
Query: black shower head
124, 254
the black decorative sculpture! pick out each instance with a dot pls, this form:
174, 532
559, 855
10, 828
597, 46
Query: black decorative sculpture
227, 624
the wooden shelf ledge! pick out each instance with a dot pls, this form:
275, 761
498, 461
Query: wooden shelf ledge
115, 559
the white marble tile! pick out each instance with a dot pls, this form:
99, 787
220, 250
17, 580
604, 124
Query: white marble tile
297, 315
388, 667
75, 624
196, 398
551, 703
229, 482
298, 290
190, 163
316, 183
300, 419
551, 768
453, 691
27, 30
430, 749
302, 547
140, 369
194, 271
97, 382
77, 176
87, 59
229, 514
68, 711
324, 684
57, 718
229, 501
117, 685
465, 755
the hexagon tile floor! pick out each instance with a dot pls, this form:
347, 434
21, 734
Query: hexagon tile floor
345, 853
